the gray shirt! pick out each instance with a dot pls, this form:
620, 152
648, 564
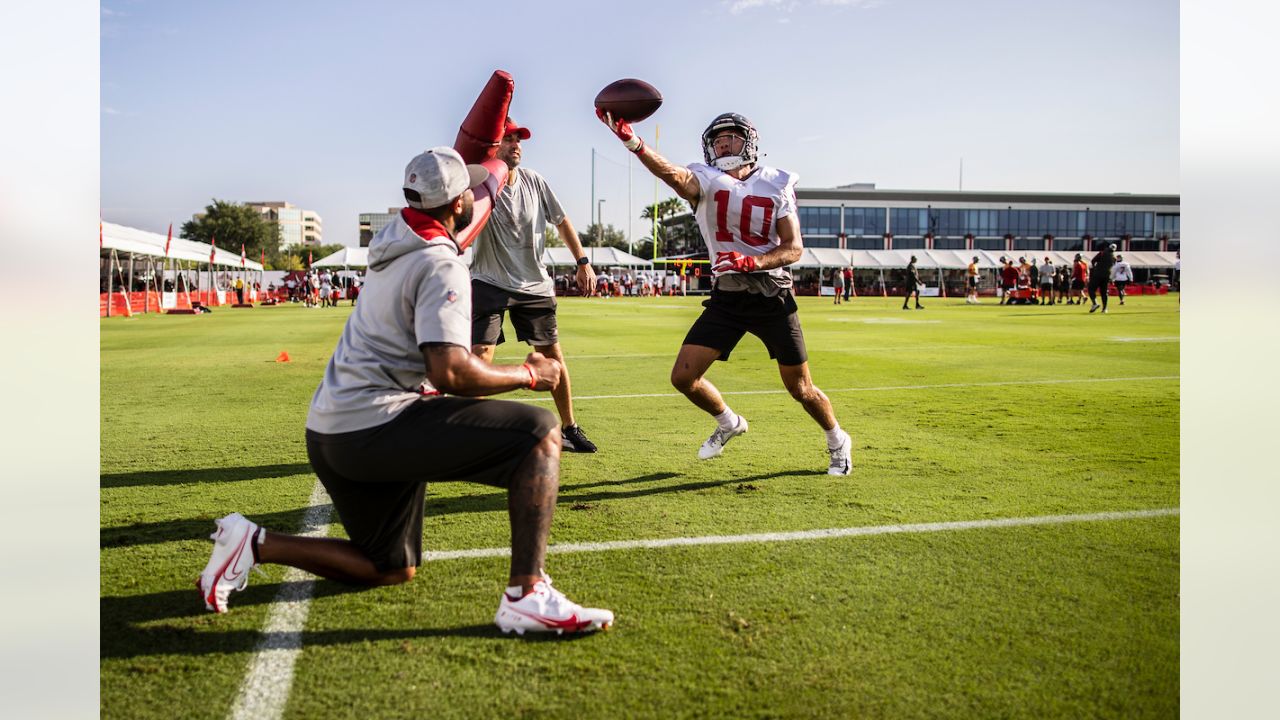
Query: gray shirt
508, 251
415, 292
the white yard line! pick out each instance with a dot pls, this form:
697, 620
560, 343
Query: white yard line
264, 693
1167, 338
811, 534
881, 388
265, 689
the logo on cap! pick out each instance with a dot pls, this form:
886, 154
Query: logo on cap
413, 177
451, 296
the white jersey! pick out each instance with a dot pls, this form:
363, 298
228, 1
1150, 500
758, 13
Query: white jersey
1121, 272
742, 215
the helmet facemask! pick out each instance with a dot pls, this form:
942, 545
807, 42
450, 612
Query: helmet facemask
740, 126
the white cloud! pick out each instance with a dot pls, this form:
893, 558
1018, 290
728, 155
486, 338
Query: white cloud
108, 110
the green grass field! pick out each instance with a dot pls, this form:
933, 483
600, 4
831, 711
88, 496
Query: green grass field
957, 413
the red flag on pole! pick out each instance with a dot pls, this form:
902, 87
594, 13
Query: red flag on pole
241, 254
308, 259
99, 233
263, 263
168, 240
213, 248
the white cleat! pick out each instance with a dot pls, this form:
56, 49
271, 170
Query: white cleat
545, 609
715, 444
229, 565
841, 462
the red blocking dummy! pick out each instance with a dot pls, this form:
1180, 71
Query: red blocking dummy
477, 142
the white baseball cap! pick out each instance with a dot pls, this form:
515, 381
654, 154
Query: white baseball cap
438, 176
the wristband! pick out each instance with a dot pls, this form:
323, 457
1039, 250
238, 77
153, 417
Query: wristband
533, 379
635, 144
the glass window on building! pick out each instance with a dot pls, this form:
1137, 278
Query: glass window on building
905, 243
821, 241
995, 244
865, 243
949, 243
1144, 244
1023, 243
1068, 244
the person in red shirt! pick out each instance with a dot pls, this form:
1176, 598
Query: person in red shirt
1008, 279
1079, 278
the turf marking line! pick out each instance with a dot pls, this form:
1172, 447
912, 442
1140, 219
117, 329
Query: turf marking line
939, 386
812, 534
265, 689
1170, 338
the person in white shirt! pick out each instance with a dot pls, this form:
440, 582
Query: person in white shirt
1121, 275
1047, 271
747, 214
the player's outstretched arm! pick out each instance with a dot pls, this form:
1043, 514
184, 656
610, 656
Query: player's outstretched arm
453, 369
677, 177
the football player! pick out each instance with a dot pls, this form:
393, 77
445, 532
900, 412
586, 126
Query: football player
747, 215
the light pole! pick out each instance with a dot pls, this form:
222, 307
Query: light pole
599, 222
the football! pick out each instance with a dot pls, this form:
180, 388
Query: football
629, 99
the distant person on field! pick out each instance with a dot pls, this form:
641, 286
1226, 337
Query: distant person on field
971, 282
1046, 273
1008, 279
399, 406
1100, 275
1079, 276
848, 282
1121, 275
912, 281
239, 286
837, 284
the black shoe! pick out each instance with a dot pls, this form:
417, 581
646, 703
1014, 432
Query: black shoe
573, 439
919, 307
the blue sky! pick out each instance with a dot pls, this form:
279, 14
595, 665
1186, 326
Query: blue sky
322, 103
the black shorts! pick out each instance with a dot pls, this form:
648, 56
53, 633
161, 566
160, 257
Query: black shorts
1077, 284
973, 283
730, 315
377, 477
534, 316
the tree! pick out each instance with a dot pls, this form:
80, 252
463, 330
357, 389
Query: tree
664, 210
232, 224
551, 237
613, 237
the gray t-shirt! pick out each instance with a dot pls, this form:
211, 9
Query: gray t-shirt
508, 251
415, 292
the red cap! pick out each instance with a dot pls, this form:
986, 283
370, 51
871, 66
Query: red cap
512, 127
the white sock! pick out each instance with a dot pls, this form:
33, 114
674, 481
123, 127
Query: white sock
727, 419
833, 437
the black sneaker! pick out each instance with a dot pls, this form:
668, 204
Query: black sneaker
574, 440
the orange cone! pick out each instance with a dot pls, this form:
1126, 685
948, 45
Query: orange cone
283, 356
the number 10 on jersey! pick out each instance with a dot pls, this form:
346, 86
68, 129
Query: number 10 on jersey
749, 204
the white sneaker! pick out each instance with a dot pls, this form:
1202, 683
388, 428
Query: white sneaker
546, 609
841, 464
229, 565
715, 444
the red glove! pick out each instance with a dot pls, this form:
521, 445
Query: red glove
623, 130
735, 261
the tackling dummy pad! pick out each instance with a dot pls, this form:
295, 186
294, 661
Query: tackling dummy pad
477, 143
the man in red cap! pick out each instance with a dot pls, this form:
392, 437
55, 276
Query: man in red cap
507, 275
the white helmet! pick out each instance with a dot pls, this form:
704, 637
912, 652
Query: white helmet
750, 142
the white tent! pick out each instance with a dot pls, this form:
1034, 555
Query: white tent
141, 242
600, 257
346, 257
957, 259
